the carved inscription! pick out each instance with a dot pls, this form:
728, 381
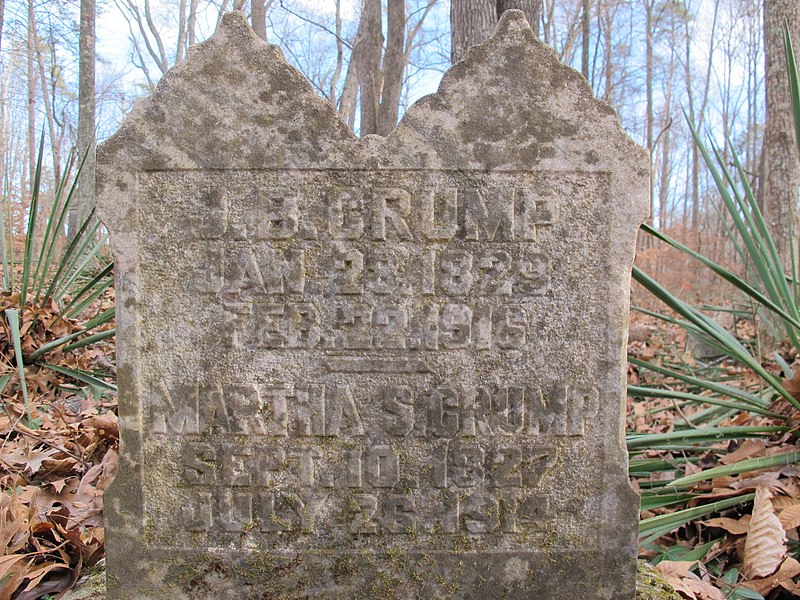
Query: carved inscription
357, 325
461, 487
330, 410
463, 464
331, 299
445, 461
421, 207
245, 274
263, 511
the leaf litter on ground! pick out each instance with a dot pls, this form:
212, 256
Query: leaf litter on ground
744, 549
55, 462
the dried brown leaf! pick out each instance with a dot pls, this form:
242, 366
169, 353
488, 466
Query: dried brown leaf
107, 425
734, 526
789, 569
782, 502
58, 485
764, 547
748, 449
680, 586
703, 590
8, 563
770, 480
38, 573
678, 574
790, 517
13, 576
675, 568
28, 458
790, 585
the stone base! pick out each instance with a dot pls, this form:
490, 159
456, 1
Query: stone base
649, 585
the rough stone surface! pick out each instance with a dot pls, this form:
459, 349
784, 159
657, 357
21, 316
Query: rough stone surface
389, 368
650, 585
91, 585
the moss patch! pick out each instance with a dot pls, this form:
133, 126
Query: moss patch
649, 585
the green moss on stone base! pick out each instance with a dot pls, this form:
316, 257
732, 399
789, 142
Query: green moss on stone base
650, 585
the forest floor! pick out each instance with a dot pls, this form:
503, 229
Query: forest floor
56, 462
746, 550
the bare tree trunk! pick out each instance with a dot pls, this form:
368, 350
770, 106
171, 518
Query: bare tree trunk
548, 26
753, 64
161, 57
49, 111
697, 114
375, 78
394, 64
191, 24
84, 202
666, 143
31, 76
781, 170
3, 134
471, 22
663, 180
259, 17
349, 97
586, 34
648, 7
694, 172
337, 72
367, 56
181, 45
606, 26
2, 21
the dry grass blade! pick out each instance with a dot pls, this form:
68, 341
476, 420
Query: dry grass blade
764, 547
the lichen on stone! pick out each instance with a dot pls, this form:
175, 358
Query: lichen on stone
650, 585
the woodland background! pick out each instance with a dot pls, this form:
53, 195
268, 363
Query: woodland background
719, 62
704, 85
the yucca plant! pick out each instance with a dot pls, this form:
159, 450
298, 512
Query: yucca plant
51, 293
708, 406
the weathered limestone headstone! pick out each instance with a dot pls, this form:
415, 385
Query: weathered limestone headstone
390, 368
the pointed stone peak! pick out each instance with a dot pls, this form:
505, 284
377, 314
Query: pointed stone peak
513, 22
510, 103
230, 104
235, 22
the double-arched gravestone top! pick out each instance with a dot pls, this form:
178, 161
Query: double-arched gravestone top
380, 368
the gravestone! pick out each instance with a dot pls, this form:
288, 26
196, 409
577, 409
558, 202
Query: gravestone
380, 368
